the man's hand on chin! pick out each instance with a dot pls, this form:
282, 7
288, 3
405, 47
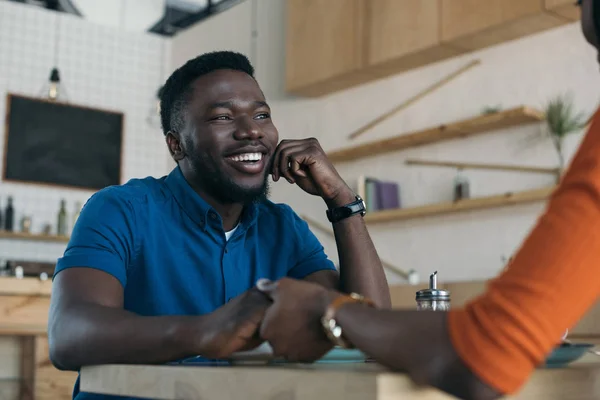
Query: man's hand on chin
304, 163
233, 327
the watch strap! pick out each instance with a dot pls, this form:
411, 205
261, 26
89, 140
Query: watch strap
337, 214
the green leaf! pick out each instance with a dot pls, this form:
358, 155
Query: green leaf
561, 117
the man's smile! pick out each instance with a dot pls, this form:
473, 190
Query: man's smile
248, 163
248, 159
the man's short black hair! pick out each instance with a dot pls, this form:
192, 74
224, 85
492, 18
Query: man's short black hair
177, 90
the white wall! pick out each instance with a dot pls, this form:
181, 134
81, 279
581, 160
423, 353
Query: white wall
463, 246
100, 67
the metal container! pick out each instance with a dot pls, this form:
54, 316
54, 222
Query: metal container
433, 299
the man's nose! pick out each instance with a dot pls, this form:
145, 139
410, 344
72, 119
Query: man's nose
247, 129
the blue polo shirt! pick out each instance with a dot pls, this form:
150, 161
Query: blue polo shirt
168, 249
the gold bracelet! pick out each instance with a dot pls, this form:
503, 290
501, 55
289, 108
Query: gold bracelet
333, 331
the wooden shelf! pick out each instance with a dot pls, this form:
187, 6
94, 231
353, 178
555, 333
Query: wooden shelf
22, 330
461, 129
9, 285
493, 167
33, 236
462, 205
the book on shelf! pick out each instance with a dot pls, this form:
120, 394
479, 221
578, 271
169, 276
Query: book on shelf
378, 194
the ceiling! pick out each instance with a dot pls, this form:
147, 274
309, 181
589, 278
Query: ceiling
164, 17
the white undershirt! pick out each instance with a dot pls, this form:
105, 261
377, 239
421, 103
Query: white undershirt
230, 233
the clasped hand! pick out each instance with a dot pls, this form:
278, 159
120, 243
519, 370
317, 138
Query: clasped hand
285, 313
292, 323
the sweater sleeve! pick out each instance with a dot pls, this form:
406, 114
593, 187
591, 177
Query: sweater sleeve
552, 281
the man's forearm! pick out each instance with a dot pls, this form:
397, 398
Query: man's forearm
93, 334
360, 267
414, 342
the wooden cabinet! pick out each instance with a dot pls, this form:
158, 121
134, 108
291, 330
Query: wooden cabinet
49, 382
324, 44
564, 8
337, 44
476, 24
25, 368
403, 34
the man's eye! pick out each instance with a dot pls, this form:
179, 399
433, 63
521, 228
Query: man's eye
263, 116
221, 118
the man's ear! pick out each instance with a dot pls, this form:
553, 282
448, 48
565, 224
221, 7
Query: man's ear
174, 144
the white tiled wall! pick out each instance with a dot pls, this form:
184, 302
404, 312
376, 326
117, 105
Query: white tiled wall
100, 67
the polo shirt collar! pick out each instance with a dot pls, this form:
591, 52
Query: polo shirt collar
195, 206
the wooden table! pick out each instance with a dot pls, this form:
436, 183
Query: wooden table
311, 382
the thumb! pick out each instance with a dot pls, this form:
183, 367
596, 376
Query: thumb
268, 287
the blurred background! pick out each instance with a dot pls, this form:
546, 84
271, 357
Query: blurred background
328, 68
452, 118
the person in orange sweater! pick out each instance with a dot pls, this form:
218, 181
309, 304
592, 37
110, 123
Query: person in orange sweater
491, 346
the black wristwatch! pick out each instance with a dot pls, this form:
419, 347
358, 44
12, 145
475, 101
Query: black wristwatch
339, 213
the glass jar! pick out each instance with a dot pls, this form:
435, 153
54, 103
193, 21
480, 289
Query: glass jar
433, 299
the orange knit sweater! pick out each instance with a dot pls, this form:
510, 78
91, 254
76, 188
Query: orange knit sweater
554, 278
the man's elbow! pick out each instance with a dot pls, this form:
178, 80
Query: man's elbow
62, 352
62, 358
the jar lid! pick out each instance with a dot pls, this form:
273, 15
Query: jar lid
433, 294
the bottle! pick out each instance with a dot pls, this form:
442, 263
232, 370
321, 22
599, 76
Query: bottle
433, 299
4, 268
461, 187
76, 213
61, 226
25, 224
9, 215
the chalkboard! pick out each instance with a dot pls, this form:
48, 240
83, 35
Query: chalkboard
62, 144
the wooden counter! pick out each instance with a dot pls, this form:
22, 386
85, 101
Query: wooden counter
25, 368
314, 382
403, 297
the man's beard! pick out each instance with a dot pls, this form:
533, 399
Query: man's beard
221, 186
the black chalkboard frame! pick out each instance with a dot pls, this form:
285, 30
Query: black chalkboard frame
10, 96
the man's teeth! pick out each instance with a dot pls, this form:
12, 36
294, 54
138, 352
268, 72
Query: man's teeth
247, 157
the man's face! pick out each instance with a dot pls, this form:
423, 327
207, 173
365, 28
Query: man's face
588, 24
230, 137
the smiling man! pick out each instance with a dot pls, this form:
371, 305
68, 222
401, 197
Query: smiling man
163, 269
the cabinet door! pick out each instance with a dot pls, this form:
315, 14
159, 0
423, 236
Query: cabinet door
404, 34
475, 24
324, 42
565, 8
400, 27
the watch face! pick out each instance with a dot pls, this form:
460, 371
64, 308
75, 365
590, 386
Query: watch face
364, 205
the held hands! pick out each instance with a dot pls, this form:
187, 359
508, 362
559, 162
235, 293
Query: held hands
286, 313
292, 324
304, 163
235, 326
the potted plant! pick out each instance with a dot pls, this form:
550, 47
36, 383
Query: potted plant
561, 121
